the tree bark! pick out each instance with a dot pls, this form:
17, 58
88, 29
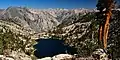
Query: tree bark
103, 30
106, 28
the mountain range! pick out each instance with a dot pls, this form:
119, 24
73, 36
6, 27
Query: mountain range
39, 20
78, 27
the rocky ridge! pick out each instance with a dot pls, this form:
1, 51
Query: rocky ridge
39, 20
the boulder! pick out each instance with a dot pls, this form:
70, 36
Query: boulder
100, 54
46, 58
62, 57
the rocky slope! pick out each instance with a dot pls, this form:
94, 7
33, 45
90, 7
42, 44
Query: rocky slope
39, 20
20, 26
78, 27
15, 41
82, 33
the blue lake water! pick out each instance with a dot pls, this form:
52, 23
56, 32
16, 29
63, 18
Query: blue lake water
51, 47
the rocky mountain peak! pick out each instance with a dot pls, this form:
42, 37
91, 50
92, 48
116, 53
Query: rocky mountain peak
39, 20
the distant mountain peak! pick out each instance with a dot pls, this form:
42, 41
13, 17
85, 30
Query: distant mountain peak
39, 19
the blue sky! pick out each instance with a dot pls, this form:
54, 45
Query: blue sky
43, 4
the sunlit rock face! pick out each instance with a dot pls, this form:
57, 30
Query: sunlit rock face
45, 58
15, 56
39, 20
58, 57
62, 56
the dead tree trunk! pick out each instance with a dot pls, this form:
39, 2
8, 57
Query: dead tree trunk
106, 28
103, 30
